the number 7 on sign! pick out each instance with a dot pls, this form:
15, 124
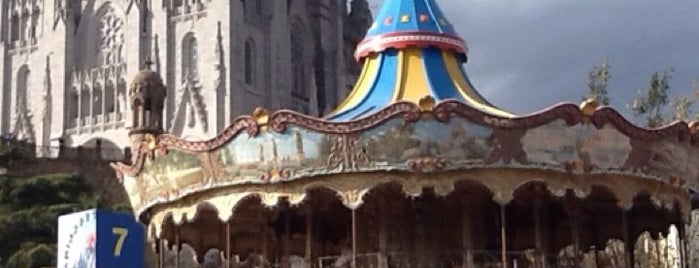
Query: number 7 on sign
121, 234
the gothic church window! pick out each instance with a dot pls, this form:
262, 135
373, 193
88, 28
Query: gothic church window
22, 87
298, 61
97, 99
85, 101
33, 32
75, 102
25, 27
190, 58
121, 96
14, 32
250, 62
109, 97
111, 38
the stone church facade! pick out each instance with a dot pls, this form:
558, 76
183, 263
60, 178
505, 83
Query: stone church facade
67, 63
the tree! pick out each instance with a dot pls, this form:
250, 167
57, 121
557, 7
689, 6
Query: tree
597, 83
682, 105
652, 103
29, 210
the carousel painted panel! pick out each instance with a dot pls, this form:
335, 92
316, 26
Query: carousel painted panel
163, 177
427, 144
669, 158
585, 148
271, 157
581, 147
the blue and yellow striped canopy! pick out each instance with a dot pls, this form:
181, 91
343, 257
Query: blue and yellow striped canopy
409, 16
410, 62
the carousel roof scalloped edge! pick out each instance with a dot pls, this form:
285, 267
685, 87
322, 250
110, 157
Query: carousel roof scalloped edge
442, 112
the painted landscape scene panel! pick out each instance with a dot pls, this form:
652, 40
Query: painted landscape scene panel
395, 141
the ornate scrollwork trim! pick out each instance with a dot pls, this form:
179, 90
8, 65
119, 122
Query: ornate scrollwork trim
411, 112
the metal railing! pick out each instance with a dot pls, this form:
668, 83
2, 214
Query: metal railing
438, 259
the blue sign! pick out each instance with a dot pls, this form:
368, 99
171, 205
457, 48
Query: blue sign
97, 238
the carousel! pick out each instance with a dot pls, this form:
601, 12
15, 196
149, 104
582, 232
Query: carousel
413, 169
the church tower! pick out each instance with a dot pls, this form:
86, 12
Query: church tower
67, 63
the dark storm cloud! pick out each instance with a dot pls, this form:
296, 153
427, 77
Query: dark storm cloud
526, 55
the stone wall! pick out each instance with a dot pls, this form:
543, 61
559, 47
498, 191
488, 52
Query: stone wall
91, 163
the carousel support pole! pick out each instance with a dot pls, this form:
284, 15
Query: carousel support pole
689, 255
575, 232
354, 238
265, 236
572, 207
595, 233
177, 247
503, 236
683, 254
684, 258
309, 237
287, 236
161, 253
628, 244
537, 234
157, 253
228, 244
467, 234
382, 235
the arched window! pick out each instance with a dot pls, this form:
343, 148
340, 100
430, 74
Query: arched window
21, 97
190, 58
110, 98
34, 30
250, 62
148, 105
97, 99
298, 60
121, 96
25, 26
137, 113
74, 103
85, 98
15, 27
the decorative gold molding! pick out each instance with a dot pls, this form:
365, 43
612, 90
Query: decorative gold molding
443, 111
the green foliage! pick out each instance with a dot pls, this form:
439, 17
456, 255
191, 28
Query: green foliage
10, 155
652, 103
682, 106
29, 210
33, 255
597, 83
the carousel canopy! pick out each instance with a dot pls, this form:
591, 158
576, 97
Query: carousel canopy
413, 121
410, 52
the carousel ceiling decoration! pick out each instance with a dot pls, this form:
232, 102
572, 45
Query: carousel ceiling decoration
413, 119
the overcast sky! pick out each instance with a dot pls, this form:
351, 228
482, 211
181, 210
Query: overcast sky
526, 55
